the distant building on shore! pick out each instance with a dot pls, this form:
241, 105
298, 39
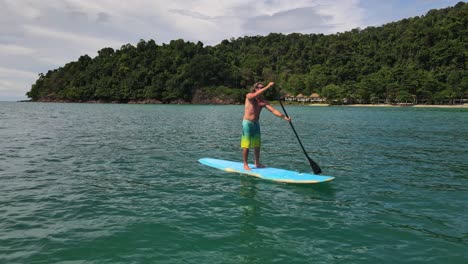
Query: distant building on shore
316, 98
313, 98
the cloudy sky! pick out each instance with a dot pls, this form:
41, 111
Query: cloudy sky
39, 35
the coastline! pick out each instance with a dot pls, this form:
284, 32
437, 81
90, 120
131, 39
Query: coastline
390, 105
220, 102
418, 106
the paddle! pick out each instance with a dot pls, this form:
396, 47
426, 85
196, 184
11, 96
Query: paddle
315, 167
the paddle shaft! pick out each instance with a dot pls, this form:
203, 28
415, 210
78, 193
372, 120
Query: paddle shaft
294, 130
313, 164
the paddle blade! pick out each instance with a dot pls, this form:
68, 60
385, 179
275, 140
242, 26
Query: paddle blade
315, 167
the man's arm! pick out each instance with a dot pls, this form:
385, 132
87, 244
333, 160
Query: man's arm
276, 112
259, 91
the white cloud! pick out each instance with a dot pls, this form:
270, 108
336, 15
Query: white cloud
10, 49
23, 9
15, 73
344, 15
296, 20
8, 86
70, 37
14, 83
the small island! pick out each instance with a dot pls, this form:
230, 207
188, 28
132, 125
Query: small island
415, 61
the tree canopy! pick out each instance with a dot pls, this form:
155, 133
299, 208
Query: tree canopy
419, 58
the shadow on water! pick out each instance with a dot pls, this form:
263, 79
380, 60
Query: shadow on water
249, 184
248, 187
249, 190
325, 189
266, 207
249, 236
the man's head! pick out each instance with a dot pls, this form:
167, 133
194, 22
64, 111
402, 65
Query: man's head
256, 86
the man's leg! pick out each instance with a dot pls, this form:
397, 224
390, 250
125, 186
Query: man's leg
257, 158
245, 156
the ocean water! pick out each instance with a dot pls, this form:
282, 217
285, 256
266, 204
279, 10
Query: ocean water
107, 183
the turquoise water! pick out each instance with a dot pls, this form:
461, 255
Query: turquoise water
103, 183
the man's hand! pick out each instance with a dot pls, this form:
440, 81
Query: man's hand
271, 83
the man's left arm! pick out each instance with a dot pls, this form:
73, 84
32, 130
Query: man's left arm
276, 112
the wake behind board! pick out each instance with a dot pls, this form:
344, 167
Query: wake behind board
272, 174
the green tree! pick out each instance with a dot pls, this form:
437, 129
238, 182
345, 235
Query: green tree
333, 93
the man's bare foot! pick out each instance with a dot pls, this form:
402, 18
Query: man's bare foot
246, 167
260, 166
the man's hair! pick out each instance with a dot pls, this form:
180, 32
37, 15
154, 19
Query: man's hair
252, 90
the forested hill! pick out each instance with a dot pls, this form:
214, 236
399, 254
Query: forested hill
416, 58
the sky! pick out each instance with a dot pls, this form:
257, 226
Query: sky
41, 35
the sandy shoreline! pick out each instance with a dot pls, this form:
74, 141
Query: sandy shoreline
419, 106
388, 105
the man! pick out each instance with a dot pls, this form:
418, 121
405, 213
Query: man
251, 126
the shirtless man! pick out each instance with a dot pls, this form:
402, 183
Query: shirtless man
251, 126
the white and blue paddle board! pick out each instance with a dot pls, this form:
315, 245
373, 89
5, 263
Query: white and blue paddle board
272, 174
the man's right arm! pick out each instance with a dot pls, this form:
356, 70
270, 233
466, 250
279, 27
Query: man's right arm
260, 91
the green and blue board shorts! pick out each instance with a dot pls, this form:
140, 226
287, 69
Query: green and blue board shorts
250, 134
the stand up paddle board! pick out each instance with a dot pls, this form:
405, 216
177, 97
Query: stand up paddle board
272, 174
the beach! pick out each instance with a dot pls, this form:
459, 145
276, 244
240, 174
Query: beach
389, 105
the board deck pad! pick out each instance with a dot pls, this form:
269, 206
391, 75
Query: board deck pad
272, 174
